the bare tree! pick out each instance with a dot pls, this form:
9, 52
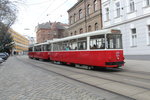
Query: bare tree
8, 12
8, 16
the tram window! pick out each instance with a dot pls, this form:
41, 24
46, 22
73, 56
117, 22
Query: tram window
30, 48
48, 47
42, 48
64, 45
114, 41
60, 47
45, 47
57, 46
73, 44
35, 48
82, 44
97, 42
38, 48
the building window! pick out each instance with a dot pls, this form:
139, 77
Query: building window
107, 13
134, 37
81, 30
75, 32
75, 18
95, 5
147, 2
80, 13
89, 28
117, 9
96, 26
71, 34
88, 9
132, 6
70, 19
148, 34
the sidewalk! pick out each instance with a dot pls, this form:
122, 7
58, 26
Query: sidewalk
138, 57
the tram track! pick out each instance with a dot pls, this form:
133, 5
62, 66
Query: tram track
108, 76
84, 72
133, 75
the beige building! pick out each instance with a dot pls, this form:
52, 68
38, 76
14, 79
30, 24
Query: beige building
20, 43
85, 16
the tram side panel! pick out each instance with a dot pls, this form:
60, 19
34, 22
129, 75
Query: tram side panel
31, 54
91, 58
41, 55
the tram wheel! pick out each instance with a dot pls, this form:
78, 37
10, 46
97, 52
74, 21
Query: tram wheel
90, 67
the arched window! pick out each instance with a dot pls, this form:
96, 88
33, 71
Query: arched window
89, 28
75, 18
80, 13
88, 9
95, 5
96, 26
75, 32
81, 30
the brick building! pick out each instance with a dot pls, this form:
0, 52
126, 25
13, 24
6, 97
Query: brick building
85, 16
49, 31
59, 30
43, 32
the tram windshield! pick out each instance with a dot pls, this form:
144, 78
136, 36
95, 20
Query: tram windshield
111, 41
114, 41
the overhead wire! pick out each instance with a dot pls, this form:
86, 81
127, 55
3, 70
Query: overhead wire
59, 6
62, 4
38, 3
45, 9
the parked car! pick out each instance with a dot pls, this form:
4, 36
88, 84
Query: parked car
3, 56
6, 54
1, 60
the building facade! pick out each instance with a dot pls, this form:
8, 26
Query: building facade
85, 16
132, 17
43, 32
50, 31
59, 30
20, 43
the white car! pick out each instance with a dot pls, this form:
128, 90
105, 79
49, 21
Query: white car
1, 60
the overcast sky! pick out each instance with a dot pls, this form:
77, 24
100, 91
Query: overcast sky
32, 12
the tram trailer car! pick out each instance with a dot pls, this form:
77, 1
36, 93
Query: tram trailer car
39, 51
100, 48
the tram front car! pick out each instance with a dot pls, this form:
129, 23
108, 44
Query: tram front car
114, 49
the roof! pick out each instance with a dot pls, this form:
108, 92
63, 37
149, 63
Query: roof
46, 25
59, 25
75, 5
99, 32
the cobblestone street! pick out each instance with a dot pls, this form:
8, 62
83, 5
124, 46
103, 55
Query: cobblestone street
21, 82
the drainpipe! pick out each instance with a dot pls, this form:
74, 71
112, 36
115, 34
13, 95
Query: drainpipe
85, 16
101, 16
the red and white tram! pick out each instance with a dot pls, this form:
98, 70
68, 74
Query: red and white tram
99, 48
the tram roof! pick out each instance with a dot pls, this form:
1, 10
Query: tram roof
99, 32
41, 43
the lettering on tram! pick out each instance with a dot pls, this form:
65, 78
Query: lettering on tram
101, 48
